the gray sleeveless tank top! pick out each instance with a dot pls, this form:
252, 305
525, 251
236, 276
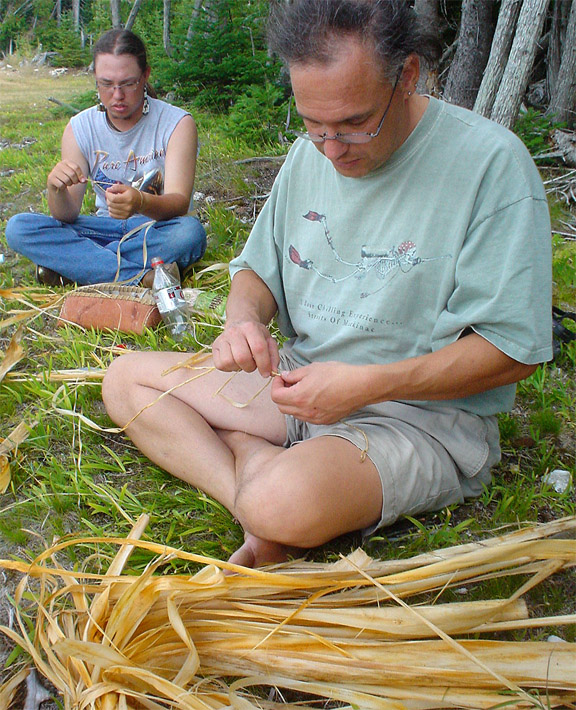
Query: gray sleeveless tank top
124, 156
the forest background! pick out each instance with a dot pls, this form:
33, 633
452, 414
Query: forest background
497, 55
513, 61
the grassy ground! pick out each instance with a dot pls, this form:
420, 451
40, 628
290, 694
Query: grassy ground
70, 478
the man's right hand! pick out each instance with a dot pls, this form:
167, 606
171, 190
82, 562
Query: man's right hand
65, 174
246, 345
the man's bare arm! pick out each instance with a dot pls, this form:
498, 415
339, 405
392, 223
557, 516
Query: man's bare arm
325, 392
246, 343
66, 182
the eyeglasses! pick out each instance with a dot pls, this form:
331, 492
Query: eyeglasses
348, 137
127, 86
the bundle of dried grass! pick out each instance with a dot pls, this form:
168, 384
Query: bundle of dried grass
341, 632
36, 301
7, 445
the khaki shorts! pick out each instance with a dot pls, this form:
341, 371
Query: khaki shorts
427, 456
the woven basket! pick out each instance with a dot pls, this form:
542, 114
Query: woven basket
128, 309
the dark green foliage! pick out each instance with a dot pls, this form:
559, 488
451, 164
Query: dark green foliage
65, 42
11, 26
257, 115
534, 128
225, 54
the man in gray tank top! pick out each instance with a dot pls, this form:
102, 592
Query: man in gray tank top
139, 154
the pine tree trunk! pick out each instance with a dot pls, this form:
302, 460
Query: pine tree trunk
167, 4
474, 39
563, 100
195, 12
429, 13
560, 12
115, 13
133, 12
76, 15
503, 36
517, 73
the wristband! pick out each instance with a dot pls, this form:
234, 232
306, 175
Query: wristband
141, 201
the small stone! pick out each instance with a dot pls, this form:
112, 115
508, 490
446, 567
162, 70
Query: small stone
558, 479
36, 693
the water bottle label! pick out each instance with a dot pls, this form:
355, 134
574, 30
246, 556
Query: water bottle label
169, 299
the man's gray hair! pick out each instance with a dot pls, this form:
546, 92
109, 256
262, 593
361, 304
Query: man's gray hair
302, 31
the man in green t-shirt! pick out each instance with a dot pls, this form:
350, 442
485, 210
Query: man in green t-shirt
405, 252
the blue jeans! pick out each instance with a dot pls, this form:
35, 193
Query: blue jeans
85, 251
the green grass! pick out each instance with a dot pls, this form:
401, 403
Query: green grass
69, 479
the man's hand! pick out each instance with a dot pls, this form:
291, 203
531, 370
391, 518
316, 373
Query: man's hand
324, 392
246, 345
321, 393
65, 174
123, 201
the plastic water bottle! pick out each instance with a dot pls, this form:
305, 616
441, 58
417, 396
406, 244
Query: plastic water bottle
169, 299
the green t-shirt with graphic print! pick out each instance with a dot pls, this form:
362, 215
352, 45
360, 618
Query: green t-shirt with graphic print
452, 233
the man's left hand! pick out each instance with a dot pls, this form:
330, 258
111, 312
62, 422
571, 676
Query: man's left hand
123, 201
321, 393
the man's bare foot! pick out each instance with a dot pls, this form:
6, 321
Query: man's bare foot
256, 552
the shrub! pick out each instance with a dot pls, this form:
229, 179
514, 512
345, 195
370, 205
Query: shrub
535, 128
257, 115
226, 53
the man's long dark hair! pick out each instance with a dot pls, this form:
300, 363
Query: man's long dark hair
304, 31
119, 41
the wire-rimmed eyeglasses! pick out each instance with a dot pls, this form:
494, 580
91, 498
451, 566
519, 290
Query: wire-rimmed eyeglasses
348, 137
128, 86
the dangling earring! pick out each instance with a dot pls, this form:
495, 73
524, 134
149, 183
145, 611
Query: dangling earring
100, 106
146, 104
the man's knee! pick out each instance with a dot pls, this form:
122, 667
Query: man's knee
191, 236
275, 507
17, 231
22, 229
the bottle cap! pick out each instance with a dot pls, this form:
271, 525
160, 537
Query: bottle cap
156, 261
